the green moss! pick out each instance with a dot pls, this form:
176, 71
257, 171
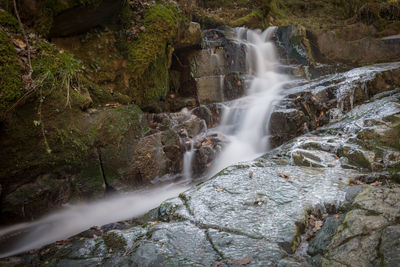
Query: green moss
147, 57
89, 184
254, 19
11, 87
8, 21
153, 85
98, 94
59, 73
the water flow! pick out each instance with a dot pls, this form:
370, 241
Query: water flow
250, 115
248, 140
75, 219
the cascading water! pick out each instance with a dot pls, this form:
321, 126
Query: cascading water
245, 121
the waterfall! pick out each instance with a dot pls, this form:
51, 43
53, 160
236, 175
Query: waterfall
249, 116
244, 122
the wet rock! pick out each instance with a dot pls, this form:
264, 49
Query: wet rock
359, 251
211, 114
173, 151
157, 155
36, 198
149, 160
193, 126
233, 87
358, 157
362, 238
285, 125
314, 158
180, 236
389, 247
314, 109
323, 237
203, 158
352, 192
242, 249
381, 200
359, 223
184, 123
294, 45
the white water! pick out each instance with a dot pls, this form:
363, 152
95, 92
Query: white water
75, 219
250, 137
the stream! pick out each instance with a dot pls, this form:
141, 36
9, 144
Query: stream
246, 142
252, 211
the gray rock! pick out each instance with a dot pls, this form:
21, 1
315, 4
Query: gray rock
358, 251
380, 200
323, 237
390, 247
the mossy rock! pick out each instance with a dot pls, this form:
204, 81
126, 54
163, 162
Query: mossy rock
148, 57
33, 199
74, 138
11, 86
253, 20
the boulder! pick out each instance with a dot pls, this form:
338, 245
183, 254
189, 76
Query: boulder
191, 36
36, 198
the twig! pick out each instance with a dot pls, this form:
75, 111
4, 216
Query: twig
48, 150
25, 37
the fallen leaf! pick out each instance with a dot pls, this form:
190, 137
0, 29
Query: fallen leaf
206, 142
110, 250
219, 189
208, 165
154, 223
19, 43
250, 174
285, 176
94, 236
148, 155
243, 261
317, 226
82, 238
377, 183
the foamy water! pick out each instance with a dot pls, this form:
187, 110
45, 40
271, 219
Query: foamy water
250, 138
